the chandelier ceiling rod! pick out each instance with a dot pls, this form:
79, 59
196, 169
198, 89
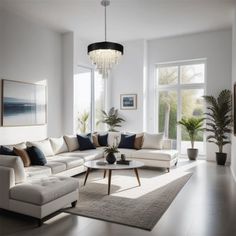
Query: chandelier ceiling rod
105, 3
105, 11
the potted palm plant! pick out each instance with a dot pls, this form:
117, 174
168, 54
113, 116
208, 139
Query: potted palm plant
219, 122
192, 125
112, 119
83, 122
110, 151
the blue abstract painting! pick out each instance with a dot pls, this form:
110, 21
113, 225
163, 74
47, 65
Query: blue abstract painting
23, 104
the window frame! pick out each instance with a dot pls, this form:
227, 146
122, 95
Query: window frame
178, 87
92, 123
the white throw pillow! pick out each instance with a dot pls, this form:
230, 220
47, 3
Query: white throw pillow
152, 141
113, 138
72, 142
44, 146
18, 145
58, 145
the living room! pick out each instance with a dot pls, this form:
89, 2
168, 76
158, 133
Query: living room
44, 44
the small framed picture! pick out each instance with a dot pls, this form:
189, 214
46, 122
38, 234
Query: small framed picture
128, 101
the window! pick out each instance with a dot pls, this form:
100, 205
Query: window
179, 91
89, 100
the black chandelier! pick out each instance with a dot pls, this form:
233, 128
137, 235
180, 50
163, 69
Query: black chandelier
105, 55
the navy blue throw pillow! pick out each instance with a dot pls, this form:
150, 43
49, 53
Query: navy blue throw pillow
102, 139
85, 142
6, 151
127, 141
36, 156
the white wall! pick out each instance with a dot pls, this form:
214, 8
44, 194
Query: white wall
127, 78
129, 75
68, 75
215, 46
233, 146
32, 53
74, 50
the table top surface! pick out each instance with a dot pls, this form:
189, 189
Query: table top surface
94, 165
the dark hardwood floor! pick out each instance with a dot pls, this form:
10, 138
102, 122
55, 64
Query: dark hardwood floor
206, 206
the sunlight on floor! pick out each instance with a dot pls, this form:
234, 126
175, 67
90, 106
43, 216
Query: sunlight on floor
150, 180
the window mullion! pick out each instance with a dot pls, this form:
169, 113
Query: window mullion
179, 110
92, 107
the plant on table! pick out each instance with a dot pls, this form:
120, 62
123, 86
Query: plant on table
110, 153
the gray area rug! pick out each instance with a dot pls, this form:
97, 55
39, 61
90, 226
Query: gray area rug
129, 204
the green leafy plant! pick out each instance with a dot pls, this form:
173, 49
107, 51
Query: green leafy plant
219, 118
111, 149
192, 125
83, 121
112, 119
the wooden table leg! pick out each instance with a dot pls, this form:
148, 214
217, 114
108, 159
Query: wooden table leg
86, 175
136, 173
109, 181
104, 175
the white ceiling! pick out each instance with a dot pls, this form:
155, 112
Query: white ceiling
127, 19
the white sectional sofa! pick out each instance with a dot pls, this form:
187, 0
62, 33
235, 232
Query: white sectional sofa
67, 160
38, 191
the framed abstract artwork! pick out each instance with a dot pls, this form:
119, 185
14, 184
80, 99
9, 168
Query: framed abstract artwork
23, 104
128, 101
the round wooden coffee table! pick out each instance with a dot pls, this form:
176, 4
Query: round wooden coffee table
133, 165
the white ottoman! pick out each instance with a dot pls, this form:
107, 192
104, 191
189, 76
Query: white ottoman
40, 198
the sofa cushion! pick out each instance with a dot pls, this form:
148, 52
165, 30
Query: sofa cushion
85, 142
37, 171
151, 154
36, 156
56, 167
102, 139
72, 142
22, 153
21, 145
128, 152
7, 151
138, 142
44, 146
15, 163
95, 140
58, 145
152, 141
127, 141
71, 161
44, 190
93, 154
113, 138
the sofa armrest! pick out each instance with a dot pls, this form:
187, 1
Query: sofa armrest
7, 181
16, 164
